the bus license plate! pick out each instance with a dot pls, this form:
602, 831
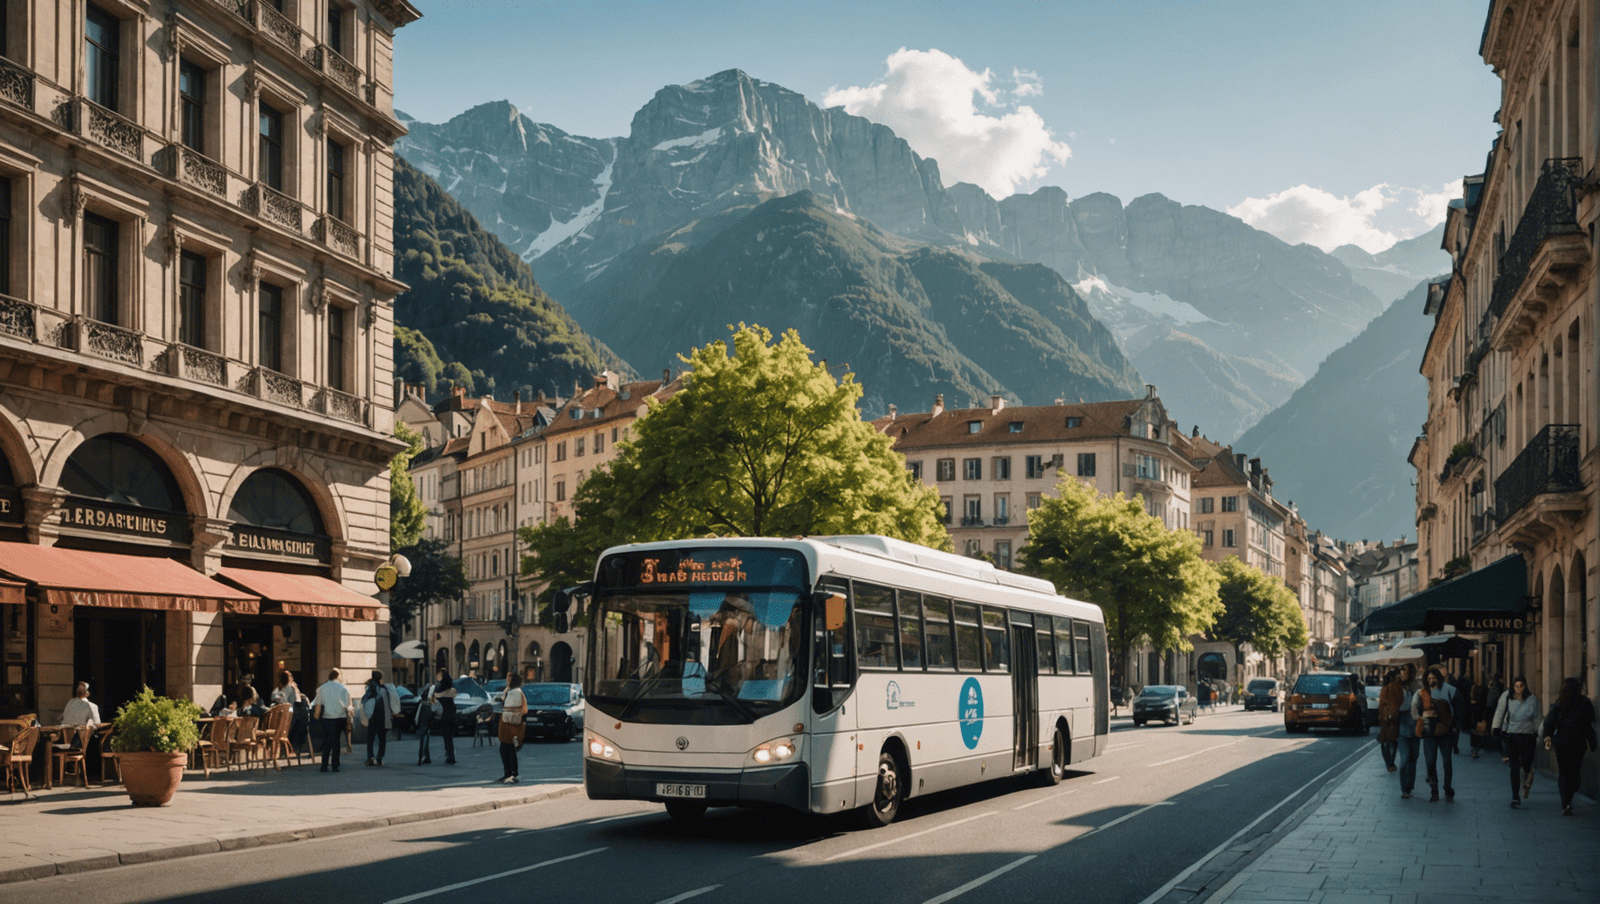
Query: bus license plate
665, 789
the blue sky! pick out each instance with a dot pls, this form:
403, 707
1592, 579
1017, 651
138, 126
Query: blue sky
1325, 122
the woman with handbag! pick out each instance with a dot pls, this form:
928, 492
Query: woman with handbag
1434, 710
1517, 717
1569, 730
428, 711
512, 716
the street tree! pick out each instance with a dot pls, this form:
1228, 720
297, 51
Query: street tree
762, 442
407, 514
1150, 581
1258, 610
436, 577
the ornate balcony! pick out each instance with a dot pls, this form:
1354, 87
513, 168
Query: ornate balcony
196, 364
193, 168
336, 235
341, 405
274, 206
111, 342
338, 69
16, 84
1542, 486
268, 385
1546, 253
108, 129
279, 28
17, 318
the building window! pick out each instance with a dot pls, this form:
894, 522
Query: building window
100, 267
972, 469
945, 503
1035, 466
972, 510
1002, 508
1146, 466
561, 451
1227, 537
336, 181
1206, 537
915, 467
1074, 422
1086, 464
338, 348
1000, 469
1207, 505
945, 469
1230, 504
577, 447
271, 156
102, 64
269, 326
1034, 500
974, 426
561, 491
1002, 554
192, 299
1014, 427
192, 106
599, 443
336, 36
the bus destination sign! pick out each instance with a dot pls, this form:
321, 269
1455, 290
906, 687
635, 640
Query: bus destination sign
725, 567
692, 570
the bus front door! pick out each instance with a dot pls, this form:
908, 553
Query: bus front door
833, 756
1024, 697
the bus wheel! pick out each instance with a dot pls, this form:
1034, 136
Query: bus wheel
886, 794
1058, 761
686, 810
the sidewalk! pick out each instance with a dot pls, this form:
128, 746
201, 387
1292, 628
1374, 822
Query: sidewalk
67, 830
1360, 842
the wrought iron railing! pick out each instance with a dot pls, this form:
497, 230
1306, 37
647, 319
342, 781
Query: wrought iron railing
16, 84
341, 405
17, 318
1552, 210
112, 342
1549, 464
191, 167
337, 235
109, 129
274, 206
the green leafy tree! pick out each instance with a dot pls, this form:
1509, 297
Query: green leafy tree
1257, 610
1150, 581
436, 577
763, 442
407, 514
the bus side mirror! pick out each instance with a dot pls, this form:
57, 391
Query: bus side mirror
833, 612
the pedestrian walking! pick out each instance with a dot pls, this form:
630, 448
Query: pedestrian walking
1569, 731
1408, 741
513, 713
331, 708
425, 720
1390, 699
1203, 693
444, 691
1516, 717
1478, 716
1434, 709
379, 703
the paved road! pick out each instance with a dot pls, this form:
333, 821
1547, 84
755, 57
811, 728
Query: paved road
1128, 827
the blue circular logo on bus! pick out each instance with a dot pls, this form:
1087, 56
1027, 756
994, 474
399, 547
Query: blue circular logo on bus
970, 709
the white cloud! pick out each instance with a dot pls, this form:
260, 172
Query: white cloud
961, 118
1372, 219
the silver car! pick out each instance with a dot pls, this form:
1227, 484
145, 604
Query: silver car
1164, 702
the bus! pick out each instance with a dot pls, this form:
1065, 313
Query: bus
829, 674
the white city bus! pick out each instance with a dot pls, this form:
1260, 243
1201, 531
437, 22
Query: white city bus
829, 674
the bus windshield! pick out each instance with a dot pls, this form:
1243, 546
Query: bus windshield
698, 657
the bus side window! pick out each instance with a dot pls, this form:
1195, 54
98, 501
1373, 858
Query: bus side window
969, 647
940, 644
1080, 632
997, 640
1063, 645
909, 604
834, 671
875, 638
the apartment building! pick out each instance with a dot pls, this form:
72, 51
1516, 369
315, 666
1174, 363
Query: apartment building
585, 433
195, 342
1507, 471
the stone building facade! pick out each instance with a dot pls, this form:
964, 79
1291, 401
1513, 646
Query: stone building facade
195, 342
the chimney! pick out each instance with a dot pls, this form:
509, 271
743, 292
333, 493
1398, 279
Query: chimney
938, 404
516, 398
666, 376
1238, 460
1060, 402
996, 403
893, 412
1149, 390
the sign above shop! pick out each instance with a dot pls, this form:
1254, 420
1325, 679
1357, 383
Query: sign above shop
261, 541
11, 508
97, 515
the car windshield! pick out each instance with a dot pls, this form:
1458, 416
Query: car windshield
702, 657
1159, 690
1261, 687
547, 694
466, 687
1322, 684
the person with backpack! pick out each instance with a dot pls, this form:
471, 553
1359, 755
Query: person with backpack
379, 705
1569, 731
1434, 710
1516, 716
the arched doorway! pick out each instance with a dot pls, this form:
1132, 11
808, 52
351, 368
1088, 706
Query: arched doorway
474, 659
1212, 666
560, 662
461, 658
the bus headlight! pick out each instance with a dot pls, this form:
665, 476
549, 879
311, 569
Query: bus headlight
775, 751
600, 748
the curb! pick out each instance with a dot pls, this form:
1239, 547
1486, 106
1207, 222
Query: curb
234, 843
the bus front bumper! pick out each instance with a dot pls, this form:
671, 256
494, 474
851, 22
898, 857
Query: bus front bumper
784, 786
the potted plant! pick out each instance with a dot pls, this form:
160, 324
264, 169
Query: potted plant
153, 738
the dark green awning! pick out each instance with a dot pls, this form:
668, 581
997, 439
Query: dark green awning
1491, 600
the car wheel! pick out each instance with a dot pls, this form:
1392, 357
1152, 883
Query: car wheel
1138, 723
886, 793
686, 810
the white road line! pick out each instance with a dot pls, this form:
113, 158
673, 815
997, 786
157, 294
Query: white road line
1045, 799
470, 882
1196, 753
1159, 803
690, 894
873, 847
1111, 779
1162, 891
958, 892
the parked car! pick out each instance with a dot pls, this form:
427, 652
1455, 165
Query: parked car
1166, 702
1373, 690
471, 699
1326, 700
554, 710
1261, 693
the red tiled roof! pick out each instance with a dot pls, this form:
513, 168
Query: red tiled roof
1035, 424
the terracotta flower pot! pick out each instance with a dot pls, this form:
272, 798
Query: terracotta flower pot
151, 778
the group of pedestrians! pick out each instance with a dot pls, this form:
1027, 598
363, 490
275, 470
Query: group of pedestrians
1423, 719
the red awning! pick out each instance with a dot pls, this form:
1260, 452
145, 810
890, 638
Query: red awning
304, 594
76, 577
12, 593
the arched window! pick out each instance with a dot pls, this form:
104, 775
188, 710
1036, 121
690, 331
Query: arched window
272, 498
117, 469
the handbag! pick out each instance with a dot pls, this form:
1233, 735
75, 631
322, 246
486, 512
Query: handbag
510, 733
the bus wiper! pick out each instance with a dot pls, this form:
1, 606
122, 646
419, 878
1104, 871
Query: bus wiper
725, 691
644, 687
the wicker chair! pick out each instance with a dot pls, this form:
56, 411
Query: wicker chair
64, 754
108, 757
18, 758
243, 738
214, 749
275, 740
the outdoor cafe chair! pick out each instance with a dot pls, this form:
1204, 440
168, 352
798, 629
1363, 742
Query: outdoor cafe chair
64, 754
18, 758
242, 739
214, 749
275, 740
108, 757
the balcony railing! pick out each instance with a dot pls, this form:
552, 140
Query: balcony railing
330, 231
16, 84
971, 522
1549, 464
17, 318
112, 342
1552, 210
341, 405
193, 168
279, 28
106, 128
274, 206
340, 70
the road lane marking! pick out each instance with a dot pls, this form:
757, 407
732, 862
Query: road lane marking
1193, 867
871, 847
958, 892
1111, 779
1196, 753
690, 894
1124, 818
1048, 797
471, 882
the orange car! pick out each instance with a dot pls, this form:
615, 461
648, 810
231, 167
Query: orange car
1326, 700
